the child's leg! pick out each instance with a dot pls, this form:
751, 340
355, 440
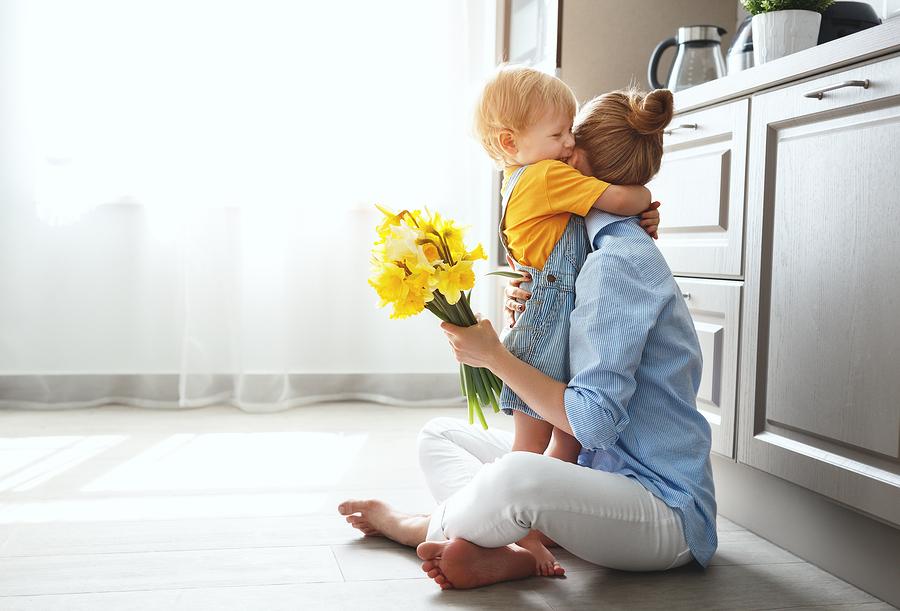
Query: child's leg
563, 446
532, 435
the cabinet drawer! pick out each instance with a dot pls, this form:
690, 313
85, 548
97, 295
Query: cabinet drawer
701, 187
715, 307
839, 91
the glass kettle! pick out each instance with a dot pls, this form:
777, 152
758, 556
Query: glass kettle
698, 59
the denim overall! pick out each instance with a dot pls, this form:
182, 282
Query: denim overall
540, 336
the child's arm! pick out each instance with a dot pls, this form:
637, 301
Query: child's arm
624, 200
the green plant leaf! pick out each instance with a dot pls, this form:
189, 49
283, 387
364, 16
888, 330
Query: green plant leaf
755, 7
507, 274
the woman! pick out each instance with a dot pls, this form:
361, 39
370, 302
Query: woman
641, 496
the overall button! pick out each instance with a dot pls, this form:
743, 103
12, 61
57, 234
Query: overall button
551, 278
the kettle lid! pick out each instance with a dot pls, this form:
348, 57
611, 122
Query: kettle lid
700, 33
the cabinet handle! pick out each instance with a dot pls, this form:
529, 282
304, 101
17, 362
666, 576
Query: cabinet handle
686, 296
669, 131
820, 93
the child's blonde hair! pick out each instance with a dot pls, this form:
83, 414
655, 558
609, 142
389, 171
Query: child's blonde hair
514, 99
621, 133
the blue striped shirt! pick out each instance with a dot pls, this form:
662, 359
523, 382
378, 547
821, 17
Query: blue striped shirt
636, 369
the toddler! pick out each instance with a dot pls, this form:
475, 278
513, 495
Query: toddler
524, 120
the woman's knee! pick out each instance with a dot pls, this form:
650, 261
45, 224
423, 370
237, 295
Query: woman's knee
433, 434
518, 475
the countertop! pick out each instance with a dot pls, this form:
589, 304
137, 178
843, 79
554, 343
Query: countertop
880, 40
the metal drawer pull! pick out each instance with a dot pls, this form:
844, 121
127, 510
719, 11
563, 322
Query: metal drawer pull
820, 93
668, 132
686, 296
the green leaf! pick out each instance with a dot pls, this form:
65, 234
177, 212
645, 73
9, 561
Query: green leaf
755, 7
507, 274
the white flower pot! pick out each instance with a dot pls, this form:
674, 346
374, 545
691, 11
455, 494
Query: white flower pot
780, 33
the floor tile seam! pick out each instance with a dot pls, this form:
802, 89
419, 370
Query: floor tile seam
197, 549
204, 549
181, 588
875, 601
337, 563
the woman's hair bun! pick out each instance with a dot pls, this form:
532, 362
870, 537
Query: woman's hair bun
650, 113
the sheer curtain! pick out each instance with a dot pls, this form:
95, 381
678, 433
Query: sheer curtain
187, 190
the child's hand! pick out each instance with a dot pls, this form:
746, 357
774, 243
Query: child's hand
650, 220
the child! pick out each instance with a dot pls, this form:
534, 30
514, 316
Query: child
524, 121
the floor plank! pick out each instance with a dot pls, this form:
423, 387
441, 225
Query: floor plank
719, 587
412, 594
165, 570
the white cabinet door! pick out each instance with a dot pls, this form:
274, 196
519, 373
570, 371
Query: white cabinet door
701, 187
715, 307
820, 357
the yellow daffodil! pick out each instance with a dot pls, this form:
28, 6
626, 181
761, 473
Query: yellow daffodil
453, 280
388, 282
431, 252
452, 235
390, 220
475, 254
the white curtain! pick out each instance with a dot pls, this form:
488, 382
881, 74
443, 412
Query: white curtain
187, 190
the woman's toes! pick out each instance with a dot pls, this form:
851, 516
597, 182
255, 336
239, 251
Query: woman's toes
433, 573
440, 579
428, 565
558, 571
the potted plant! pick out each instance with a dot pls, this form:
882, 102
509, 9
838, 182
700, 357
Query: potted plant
782, 27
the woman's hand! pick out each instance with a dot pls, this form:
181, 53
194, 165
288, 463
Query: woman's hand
477, 345
515, 297
650, 220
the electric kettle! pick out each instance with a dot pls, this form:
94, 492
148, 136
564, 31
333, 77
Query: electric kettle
698, 59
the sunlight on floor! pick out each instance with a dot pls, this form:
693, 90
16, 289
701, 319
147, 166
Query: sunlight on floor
184, 475
31, 461
229, 461
168, 507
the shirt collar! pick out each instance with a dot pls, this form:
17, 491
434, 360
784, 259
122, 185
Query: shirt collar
598, 220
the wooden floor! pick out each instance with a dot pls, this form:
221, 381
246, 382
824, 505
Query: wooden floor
121, 508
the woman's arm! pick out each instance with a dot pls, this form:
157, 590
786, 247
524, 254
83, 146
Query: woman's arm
479, 346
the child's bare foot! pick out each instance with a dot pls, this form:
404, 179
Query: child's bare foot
377, 519
545, 563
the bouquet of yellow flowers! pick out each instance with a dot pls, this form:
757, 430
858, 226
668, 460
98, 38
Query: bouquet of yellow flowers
420, 262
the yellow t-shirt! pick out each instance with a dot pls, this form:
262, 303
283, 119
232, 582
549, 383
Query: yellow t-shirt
546, 195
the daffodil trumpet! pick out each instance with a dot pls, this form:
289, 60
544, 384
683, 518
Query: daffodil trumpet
420, 262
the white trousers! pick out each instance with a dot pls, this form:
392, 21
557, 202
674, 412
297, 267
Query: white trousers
492, 496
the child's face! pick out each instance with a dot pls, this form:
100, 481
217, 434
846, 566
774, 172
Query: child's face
550, 138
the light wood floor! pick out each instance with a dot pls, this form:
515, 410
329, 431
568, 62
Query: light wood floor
121, 508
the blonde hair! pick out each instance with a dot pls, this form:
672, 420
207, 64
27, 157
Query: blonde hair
621, 134
514, 99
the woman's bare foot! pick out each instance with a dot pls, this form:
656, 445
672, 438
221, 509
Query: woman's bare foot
545, 563
457, 563
377, 519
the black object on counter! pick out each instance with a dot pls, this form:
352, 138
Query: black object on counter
845, 18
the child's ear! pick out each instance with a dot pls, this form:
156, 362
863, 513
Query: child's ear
508, 142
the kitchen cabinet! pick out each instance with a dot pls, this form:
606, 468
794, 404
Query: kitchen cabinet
701, 183
715, 308
820, 357
701, 187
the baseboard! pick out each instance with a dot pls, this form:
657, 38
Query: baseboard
847, 544
257, 392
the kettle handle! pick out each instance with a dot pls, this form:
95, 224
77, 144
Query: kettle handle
654, 61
